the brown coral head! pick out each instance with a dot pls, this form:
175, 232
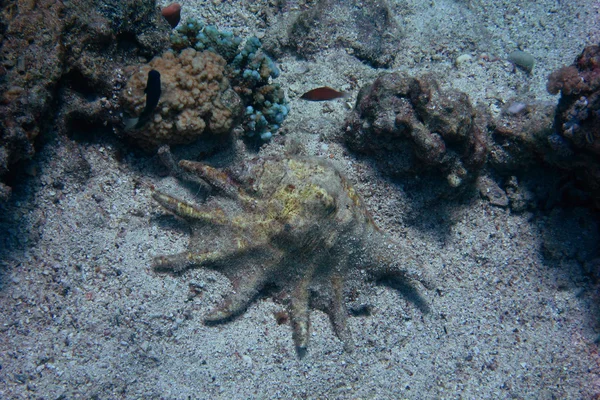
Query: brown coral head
196, 99
172, 14
565, 80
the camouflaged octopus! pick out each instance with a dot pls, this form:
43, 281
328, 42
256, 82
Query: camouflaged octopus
293, 223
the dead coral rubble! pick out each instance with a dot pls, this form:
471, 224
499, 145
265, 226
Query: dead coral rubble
62, 59
412, 126
578, 111
577, 118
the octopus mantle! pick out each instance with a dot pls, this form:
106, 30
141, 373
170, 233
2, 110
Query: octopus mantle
293, 223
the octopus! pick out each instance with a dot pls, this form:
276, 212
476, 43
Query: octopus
292, 224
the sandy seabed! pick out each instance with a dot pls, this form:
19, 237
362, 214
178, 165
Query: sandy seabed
513, 315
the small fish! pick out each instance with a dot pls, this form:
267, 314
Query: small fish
152, 96
323, 94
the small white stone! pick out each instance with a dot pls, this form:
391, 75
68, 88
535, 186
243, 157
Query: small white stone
463, 59
516, 108
248, 360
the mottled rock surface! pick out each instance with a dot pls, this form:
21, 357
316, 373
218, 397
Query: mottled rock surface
522, 140
63, 59
411, 127
577, 118
32, 57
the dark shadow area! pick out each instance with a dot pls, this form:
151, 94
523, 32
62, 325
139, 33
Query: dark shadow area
18, 233
571, 246
85, 131
127, 42
76, 81
408, 291
265, 293
432, 210
301, 352
169, 222
364, 310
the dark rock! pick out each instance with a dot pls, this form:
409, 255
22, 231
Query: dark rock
492, 192
32, 57
520, 197
412, 126
577, 118
63, 59
523, 139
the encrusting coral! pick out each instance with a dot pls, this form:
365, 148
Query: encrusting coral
196, 97
249, 70
208, 82
290, 222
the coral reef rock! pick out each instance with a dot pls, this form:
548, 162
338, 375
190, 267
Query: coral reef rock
196, 98
30, 69
578, 111
289, 223
410, 126
63, 59
577, 118
523, 139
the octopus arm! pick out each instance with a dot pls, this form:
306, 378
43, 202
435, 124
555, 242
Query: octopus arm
338, 313
389, 261
215, 178
246, 288
187, 210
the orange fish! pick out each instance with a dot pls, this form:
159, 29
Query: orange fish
323, 94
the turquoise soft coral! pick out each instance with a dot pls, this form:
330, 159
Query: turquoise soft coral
201, 37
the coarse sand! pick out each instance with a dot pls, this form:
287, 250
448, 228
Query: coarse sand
514, 313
